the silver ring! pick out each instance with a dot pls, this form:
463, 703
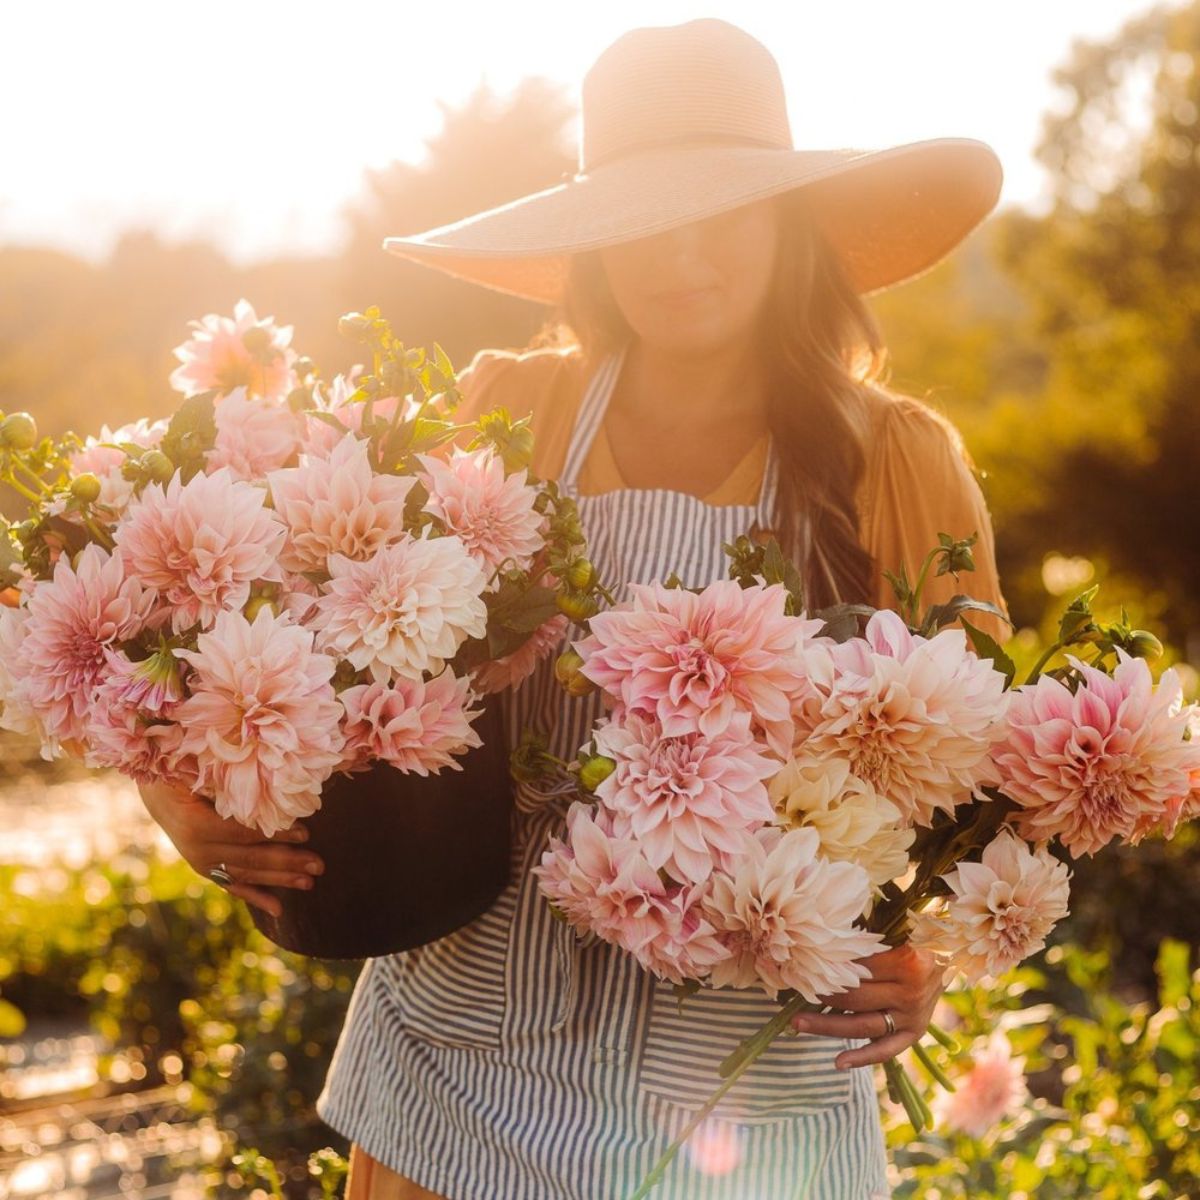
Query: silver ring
220, 874
887, 1020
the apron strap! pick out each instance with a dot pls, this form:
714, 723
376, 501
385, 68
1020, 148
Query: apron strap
591, 415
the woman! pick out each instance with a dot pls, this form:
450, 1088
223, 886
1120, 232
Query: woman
711, 367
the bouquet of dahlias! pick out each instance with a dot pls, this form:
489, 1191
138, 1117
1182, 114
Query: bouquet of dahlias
290, 578
772, 797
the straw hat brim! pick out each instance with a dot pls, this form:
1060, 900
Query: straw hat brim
891, 214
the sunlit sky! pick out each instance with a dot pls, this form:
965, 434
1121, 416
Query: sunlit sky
249, 122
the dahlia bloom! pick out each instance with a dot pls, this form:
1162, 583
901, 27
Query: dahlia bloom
262, 719
16, 713
152, 684
787, 917
692, 660
254, 436
416, 726
854, 822
1107, 761
73, 619
198, 546
914, 717
515, 668
216, 357
136, 742
493, 513
1001, 910
994, 1088
105, 461
687, 800
337, 505
404, 611
683, 944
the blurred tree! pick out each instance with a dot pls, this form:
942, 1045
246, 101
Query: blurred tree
1107, 447
487, 153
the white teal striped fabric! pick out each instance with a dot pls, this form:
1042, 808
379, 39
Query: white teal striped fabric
511, 1061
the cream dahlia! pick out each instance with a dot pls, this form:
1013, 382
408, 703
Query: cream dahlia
199, 546
404, 611
337, 505
102, 457
854, 822
262, 719
1001, 909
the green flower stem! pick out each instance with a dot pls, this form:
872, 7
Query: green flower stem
1040, 665
750, 1048
918, 1112
36, 478
99, 533
940, 1035
914, 603
926, 1060
655, 1177
17, 485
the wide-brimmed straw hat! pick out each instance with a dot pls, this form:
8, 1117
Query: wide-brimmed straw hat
681, 122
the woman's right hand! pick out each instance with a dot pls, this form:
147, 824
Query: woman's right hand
205, 840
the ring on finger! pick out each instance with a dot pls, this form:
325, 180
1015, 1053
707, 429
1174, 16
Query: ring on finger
888, 1021
220, 874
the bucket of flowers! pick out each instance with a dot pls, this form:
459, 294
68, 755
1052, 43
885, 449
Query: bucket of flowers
795, 793
300, 600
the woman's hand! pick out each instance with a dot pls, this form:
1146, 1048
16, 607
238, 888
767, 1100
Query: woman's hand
904, 982
206, 840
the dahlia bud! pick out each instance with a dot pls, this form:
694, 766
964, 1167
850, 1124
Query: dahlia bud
86, 488
568, 670
18, 430
256, 604
581, 575
157, 466
594, 771
576, 605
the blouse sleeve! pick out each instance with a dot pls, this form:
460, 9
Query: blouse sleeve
920, 483
527, 385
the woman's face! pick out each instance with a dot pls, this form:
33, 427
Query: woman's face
700, 286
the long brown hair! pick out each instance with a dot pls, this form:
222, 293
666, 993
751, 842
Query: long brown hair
822, 346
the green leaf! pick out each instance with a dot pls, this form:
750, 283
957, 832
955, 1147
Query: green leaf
841, 620
941, 615
191, 434
989, 649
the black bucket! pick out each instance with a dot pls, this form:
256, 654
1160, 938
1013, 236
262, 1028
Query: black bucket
408, 858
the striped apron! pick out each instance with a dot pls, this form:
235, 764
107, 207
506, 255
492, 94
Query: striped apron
513, 1061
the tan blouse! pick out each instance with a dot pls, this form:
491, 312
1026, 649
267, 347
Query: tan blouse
918, 483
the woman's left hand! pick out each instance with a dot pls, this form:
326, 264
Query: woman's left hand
904, 982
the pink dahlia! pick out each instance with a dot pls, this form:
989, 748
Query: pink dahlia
787, 917
199, 546
223, 354
16, 712
1001, 909
682, 943
914, 717
404, 611
515, 668
600, 882
337, 505
692, 660
73, 619
254, 436
493, 513
994, 1088
143, 745
1106, 761
416, 726
262, 719
151, 684
687, 800
102, 457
